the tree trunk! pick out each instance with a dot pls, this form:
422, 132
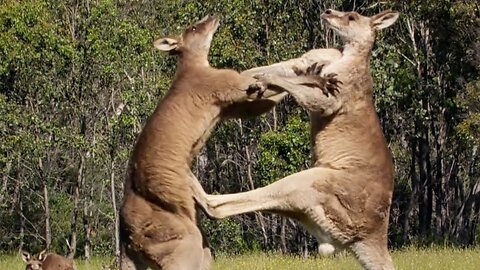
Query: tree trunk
467, 217
6, 175
425, 194
17, 191
258, 215
22, 223
275, 119
283, 240
76, 201
87, 229
415, 189
115, 212
475, 215
48, 235
305, 246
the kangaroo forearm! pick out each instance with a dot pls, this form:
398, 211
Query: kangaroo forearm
311, 98
254, 108
246, 103
246, 81
284, 69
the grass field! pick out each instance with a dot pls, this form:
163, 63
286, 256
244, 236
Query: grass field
417, 259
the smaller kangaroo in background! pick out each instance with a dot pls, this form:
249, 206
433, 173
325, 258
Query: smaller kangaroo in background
47, 261
344, 199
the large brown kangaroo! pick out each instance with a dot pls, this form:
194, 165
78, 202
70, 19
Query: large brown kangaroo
344, 200
157, 219
47, 261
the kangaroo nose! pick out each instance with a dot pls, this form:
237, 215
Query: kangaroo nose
328, 11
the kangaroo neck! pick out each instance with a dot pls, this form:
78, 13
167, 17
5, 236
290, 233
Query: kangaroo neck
359, 51
189, 60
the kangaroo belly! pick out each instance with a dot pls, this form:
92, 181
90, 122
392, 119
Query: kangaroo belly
144, 223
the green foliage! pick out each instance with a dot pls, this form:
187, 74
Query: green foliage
60, 222
28, 36
469, 128
227, 236
283, 152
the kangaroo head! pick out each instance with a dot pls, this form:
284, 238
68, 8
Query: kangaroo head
195, 40
33, 262
353, 27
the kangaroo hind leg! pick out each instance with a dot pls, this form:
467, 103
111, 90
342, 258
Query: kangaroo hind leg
129, 261
294, 193
373, 255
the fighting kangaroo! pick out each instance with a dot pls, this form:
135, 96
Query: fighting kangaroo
158, 226
344, 199
47, 261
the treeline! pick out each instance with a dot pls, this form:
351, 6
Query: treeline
79, 78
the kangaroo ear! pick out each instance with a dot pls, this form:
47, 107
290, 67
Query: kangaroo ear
384, 19
43, 255
25, 256
166, 44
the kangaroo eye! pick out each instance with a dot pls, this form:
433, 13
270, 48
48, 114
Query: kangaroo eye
351, 18
194, 29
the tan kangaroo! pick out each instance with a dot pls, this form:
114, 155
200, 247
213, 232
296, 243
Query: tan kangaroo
47, 261
158, 226
344, 200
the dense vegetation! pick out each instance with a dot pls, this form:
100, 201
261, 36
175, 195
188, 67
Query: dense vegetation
79, 78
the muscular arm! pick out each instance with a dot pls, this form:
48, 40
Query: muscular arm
248, 104
285, 68
307, 91
254, 105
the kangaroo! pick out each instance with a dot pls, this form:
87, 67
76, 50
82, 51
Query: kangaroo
344, 199
47, 261
158, 226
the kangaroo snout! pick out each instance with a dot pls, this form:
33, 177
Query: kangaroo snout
332, 12
327, 14
210, 19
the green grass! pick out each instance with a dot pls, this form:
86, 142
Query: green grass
407, 259
411, 258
